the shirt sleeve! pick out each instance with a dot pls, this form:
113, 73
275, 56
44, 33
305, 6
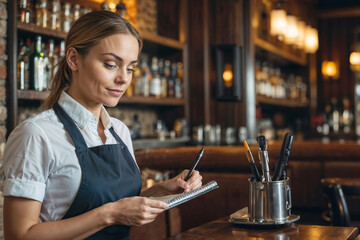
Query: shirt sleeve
26, 162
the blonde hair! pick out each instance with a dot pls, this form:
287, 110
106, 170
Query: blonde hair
85, 33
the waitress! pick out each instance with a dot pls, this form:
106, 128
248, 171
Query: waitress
70, 172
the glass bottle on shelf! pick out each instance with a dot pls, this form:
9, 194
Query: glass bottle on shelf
146, 78
137, 81
178, 93
22, 10
47, 68
59, 56
178, 88
163, 82
66, 19
121, 9
51, 62
54, 18
42, 14
23, 69
76, 13
171, 83
29, 14
37, 67
155, 85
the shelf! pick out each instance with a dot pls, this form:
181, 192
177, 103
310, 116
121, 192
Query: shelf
152, 101
151, 37
281, 53
281, 102
31, 27
32, 95
40, 96
169, 42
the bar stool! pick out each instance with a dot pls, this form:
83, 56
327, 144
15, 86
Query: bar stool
336, 189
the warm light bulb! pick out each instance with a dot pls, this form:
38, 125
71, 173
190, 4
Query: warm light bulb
329, 69
292, 31
301, 36
228, 75
311, 39
112, 6
355, 58
355, 61
278, 22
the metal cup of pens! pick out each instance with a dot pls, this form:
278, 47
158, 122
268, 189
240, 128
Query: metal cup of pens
269, 201
269, 197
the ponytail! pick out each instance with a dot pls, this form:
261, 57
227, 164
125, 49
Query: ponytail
60, 81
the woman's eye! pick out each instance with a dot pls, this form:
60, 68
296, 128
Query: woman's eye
110, 66
130, 70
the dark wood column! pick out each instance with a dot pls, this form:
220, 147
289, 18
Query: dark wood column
214, 22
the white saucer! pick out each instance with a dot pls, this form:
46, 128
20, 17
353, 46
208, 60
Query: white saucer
241, 217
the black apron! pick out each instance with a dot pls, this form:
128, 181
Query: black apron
108, 173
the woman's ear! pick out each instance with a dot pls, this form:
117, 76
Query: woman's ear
72, 59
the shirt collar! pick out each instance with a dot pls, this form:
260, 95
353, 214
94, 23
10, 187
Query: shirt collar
79, 114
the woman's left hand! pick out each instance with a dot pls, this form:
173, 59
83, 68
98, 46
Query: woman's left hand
178, 184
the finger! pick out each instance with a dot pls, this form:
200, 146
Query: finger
195, 175
156, 204
182, 184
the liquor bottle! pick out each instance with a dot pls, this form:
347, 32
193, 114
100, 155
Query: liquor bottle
59, 56
121, 9
54, 18
76, 13
37, 67
51, 62
155, 85
146, 77
23, 69
163, 81
47, 67
42, 14
171, 83
178, 93
137, 82
22, 10
167, 77
66, 20
178, 81
29, 14
163, 87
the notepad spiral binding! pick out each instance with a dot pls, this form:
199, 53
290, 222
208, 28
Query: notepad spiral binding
192, 194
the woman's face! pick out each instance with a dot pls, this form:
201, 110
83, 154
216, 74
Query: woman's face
105, 72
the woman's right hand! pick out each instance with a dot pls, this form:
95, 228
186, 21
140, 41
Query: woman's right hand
136, 211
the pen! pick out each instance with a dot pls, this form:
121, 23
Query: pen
285, 164
283, 158
264, 157
194, 164
252, 162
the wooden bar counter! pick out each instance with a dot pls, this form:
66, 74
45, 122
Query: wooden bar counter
222, 229
309, 162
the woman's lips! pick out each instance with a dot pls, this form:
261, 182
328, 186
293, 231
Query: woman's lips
115, 92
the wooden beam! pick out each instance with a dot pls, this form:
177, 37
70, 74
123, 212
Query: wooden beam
340, 13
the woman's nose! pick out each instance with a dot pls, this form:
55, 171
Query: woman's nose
122, 75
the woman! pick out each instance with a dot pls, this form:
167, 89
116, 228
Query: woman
72, 166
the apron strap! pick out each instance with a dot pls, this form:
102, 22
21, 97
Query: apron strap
118, 139
70, 126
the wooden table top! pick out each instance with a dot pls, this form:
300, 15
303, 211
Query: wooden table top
223, 230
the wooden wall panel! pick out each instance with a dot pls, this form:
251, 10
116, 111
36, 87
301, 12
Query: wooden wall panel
196, 61
335, 42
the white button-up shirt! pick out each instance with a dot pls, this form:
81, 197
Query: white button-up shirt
40, 162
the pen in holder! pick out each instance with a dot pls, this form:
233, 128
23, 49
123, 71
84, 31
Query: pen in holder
269, 201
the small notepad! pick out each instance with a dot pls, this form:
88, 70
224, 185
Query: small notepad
177, 199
